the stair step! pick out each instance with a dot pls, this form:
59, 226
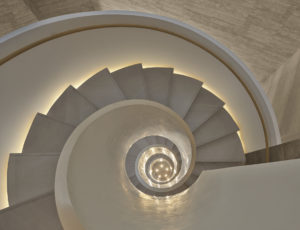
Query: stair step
151, 140
132, 155
182, 93
71, 107
101, 89
158, 81
46, 135
202, 166
160, 141
36, 214
217, 126
29, 176
180, 189
155, 140
225, 149
191, 180
131, 81
203, 107
134, 180
143, 189
130, 165
286, 151
137, 147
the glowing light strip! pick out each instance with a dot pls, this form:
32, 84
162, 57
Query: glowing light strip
81, 29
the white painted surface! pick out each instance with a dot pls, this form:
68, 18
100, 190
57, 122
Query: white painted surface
32, 81
102, 141
264, 196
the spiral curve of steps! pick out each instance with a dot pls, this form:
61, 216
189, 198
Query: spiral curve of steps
31, 174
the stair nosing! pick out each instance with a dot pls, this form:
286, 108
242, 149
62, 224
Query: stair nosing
11, 207
53, 119
218, 110
210, 142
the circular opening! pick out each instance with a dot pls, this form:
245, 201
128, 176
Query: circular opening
157, 167
161, 170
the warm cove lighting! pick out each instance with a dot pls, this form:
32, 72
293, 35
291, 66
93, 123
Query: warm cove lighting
98, 69
226, 107
23, 131
17, 143
16, 147
176, 71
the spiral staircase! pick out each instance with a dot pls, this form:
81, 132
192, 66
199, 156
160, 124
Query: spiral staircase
31, 174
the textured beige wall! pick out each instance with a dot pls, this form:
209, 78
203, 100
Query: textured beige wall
13, 15
263, 33
282, 88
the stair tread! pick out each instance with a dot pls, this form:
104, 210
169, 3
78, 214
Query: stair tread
36, 214
218, 125
101, 89
191, 180
137, 147
131, 81
182, 93
204, 166
130, 165
225, 149
29, 176
134, 180
158, 82
71, 107
203, 107
46, 135
151, 140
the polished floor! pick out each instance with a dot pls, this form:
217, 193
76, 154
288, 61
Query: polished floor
264, 34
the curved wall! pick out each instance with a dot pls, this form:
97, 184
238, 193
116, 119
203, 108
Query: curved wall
32, 80
105, 137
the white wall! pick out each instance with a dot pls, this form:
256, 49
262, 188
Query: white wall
92, 185
263, 196
32, 81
